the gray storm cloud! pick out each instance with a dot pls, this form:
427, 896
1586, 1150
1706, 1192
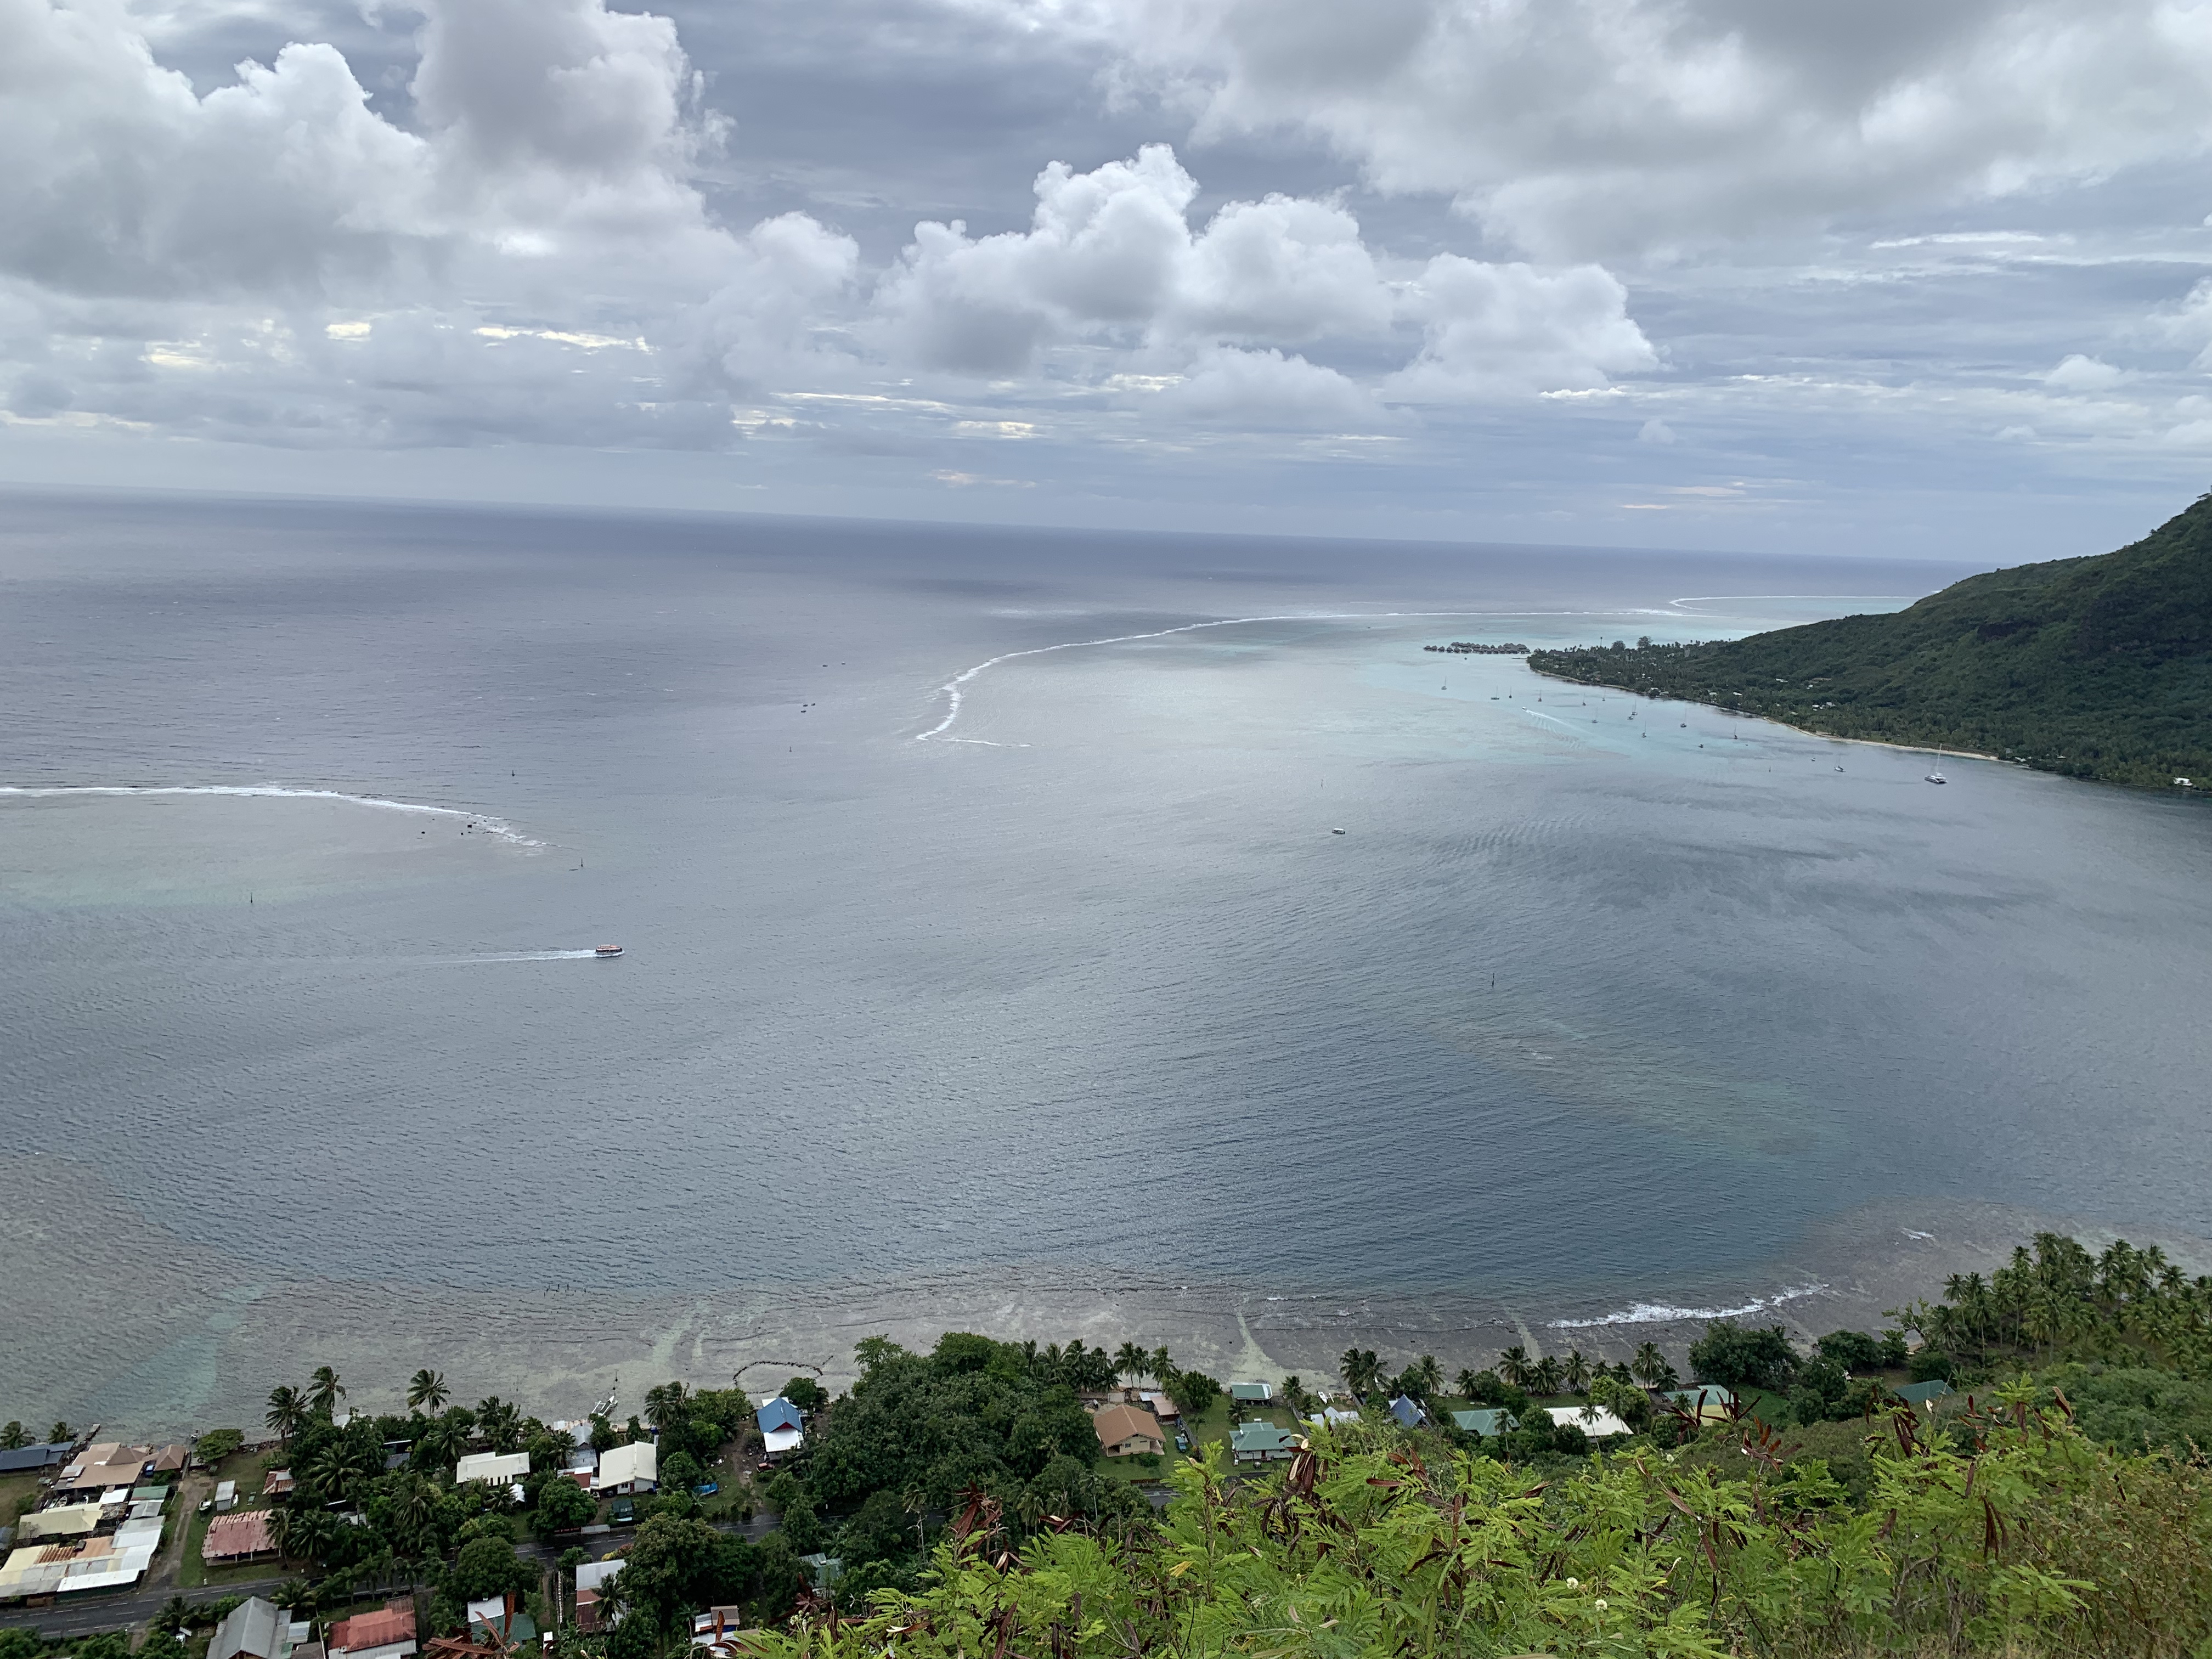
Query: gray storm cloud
1586, 129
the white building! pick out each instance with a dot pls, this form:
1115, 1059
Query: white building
1595, 1421
634, 1467
500, 1468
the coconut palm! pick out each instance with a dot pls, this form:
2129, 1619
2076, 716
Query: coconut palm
1513, 1364
13, 1436
426, 1392
1161, 1366
499, 1422
444, 1441
1428, 1375
1576, 1372
1544, 1375
288, 1412
1361, 1370
1648, 1365
324, 1391
665, 1406
1131, 1362
1467, 1384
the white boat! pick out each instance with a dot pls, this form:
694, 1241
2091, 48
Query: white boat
1937, 777
607, 949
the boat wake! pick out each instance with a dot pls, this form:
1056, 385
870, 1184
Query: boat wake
532, 955
497, 829
953, 696
1661, 1313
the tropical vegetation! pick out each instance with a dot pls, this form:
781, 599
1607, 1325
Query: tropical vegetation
2097, 667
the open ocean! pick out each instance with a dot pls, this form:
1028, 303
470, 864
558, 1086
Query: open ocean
312, 810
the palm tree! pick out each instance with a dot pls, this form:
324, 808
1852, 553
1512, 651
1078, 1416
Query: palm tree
324, 1391
1649, 1366
444, 1441
1161, 1366
1361, 1370
1467, 1384
499, 1424
1428, 1375
665, 1406
13, 1436
427, 1392
1131, 1362
1576, 1371
1514, 1365
1544, 1375
287, 1414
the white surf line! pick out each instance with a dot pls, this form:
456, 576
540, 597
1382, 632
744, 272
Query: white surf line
1659, 1313
497, 828
952, 687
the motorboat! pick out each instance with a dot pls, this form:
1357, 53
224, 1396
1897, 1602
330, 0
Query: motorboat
607, 949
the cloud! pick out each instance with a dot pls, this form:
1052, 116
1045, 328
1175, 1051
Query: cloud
1110, 256
1504, 328
1265, 389
2076, 373
1586, 128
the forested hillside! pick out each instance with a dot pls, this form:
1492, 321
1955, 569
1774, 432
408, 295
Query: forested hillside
2095, 667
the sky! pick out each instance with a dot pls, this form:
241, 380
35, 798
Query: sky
1889, 277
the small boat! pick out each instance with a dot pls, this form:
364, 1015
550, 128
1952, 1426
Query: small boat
1937, 777
607, 949
1336, 832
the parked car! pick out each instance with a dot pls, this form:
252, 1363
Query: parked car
624, 1513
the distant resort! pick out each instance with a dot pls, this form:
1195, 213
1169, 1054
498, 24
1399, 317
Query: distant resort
1468, 648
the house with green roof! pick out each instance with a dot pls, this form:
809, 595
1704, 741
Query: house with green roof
1489, 1422
1252, 1394
1923, 1395
1263, 1443
1706, 1402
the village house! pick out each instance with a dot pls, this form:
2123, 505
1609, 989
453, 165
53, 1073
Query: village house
1707, 1402
591, 1579
494, 1469
1595, 1421
242, 1535
387, 1633
1263, 1443
1489, 1421
1251, 1394
1123, 1432
632, 1468
782, 1426
254, 1629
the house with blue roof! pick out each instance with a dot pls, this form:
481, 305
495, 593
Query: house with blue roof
782, 1426
1408, 1411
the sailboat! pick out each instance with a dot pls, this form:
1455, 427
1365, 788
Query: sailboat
1935, 774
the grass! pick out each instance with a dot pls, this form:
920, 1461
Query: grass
18, 1492
247, 1468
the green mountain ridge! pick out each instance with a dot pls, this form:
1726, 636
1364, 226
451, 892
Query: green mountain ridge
2097, 667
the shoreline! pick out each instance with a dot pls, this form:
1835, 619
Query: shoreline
1803, 731
118, 1323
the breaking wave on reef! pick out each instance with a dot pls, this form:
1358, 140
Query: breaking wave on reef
1661, 1313
497, 828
